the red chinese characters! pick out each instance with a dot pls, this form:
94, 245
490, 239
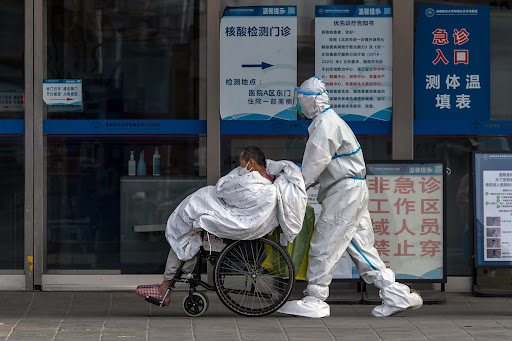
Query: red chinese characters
430, 248
429, 226
440, 37
381, 227
378, 184
440, 56
430, 185
404, 185
403, 249
430, 206
407, 204
382, 247
406, 215
460, 37
379, 205
405, 229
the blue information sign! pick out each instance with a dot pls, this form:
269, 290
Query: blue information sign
452, 63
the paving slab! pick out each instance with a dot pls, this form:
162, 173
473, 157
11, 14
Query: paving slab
103, 316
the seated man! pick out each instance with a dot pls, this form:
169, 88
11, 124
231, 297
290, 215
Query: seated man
246, 204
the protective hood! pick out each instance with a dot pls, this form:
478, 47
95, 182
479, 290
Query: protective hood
313, 97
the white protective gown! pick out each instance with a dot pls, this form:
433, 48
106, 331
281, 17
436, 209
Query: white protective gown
334, 157
240, 207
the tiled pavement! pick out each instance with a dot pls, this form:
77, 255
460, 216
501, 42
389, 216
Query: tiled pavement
80, 316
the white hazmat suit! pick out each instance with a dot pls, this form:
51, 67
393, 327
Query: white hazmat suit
334, 157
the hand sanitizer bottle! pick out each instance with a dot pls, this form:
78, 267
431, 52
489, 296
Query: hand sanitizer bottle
156, 163
141, 166
131, 164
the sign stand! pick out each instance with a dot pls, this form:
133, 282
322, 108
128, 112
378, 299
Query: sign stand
492, 193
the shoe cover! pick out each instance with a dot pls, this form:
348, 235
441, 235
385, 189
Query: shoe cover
309, 306
395, 299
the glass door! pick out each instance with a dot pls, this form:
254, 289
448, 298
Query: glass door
124, 135
12, 145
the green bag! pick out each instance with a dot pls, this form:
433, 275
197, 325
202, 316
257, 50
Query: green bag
298, 250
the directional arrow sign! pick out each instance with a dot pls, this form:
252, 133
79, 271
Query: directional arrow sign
61, 99
255, 39
263, 65
62, 92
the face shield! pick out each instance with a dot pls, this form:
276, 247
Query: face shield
296, 107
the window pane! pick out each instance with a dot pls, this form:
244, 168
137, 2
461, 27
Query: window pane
292, 148
12, 180
455, 152
136, 59
98, 217
12, 76
12, 158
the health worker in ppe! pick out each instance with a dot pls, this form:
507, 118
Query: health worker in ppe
334, 157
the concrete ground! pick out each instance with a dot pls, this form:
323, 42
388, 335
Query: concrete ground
80, 316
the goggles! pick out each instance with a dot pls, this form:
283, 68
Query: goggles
296, 103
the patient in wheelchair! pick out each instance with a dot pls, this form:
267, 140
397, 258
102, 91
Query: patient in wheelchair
248, 203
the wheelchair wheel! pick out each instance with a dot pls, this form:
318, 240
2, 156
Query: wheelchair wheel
254, 277
195, 305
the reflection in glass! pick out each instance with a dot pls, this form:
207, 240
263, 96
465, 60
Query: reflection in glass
455, 152
292, 148
136, 59
12, 76
94, 206
12, 180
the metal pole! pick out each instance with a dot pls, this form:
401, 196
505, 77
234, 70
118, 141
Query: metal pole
28, 217
212, 98
213, 91
403, 80
39, 176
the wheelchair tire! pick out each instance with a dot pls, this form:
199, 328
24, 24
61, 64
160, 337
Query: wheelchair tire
196, 305
254, 277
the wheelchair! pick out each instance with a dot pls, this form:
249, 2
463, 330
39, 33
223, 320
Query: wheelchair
251, 278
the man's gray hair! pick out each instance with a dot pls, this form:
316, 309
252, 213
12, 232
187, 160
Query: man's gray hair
253, 152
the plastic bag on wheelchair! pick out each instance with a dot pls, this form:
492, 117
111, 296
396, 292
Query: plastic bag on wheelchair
298, 250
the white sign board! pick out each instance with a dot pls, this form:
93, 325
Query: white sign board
406, 208
258, 62
62, 92
353, 56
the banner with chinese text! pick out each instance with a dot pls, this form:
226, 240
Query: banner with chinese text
407, 211
258, 62
452, 63
353, 56
493, 203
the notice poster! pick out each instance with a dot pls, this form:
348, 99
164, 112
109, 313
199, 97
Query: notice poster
497, 191
63, 95
407, 213
493, 197
353, 56
452, 63
258, 62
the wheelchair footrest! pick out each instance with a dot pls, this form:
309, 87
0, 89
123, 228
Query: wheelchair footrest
153, 300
